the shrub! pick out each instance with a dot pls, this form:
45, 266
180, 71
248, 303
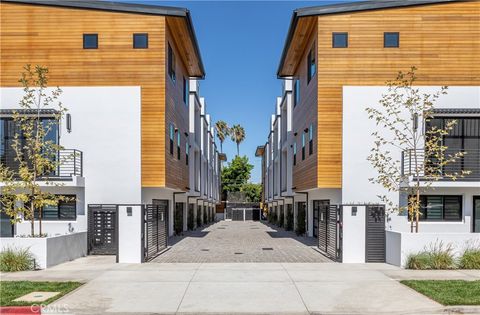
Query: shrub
190, 222
300, 229
16, 259
437, 256
289, 223
470, 259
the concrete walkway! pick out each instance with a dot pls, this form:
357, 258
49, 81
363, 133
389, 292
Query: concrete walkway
236, 288
239, 241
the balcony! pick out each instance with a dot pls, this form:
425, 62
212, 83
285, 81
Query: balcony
470, 162
70, 165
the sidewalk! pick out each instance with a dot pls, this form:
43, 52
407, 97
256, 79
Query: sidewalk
273, 288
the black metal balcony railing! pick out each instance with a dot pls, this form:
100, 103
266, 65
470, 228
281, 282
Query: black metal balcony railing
470, 163
70, 163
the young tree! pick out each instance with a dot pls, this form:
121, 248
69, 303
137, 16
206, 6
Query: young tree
238, 135
35, 157
236, 174
222, 132
401, 111
253, 192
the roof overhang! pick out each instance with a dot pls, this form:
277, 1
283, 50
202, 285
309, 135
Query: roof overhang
260, 150
179, 16
304, 19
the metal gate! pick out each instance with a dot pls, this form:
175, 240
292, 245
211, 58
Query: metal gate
375, 234
102, 229
329, 231
237, 215
317, 204
156, 228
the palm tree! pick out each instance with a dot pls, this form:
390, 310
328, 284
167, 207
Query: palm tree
222, 132
238, 135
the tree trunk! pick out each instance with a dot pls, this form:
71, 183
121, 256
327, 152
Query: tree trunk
32, 220
238, 149
221, 146
417, 214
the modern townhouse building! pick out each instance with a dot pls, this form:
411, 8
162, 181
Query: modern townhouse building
136, 123
338, 58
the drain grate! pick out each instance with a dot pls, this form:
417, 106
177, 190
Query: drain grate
267, 248
205, 250
221, 228
238, 253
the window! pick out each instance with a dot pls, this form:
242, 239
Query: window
171, 64
310, 140
140, 41
186, 91
187, 151
90, 41
178, 145
296, 92
172, 136
303, 146
340, 40
464, 136
311, 63
295, 153
440, 208
391, 40
65, 210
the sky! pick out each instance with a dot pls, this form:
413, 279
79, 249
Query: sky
241, 43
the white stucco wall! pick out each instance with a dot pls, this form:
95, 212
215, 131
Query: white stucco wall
106, 127
357, 142
400, 244
130, 243
354, 234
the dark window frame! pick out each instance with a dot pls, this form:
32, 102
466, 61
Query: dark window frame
171, 135
296, 93
337, 34
303, 146
135, 44
310, 140
171, 64
311, 62
59, 210
295, 152
179, 140
187, 151
385, 34
186, 90
85, 35
424, 212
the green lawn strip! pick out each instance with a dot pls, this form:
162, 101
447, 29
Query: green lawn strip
10, 290
448, 292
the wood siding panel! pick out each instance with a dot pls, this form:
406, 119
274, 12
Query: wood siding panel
53, 37
442, 41
176, 114
304, 114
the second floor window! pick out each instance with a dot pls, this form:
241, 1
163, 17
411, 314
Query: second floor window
90, 41
340, 40
179, 136
311, 63
303, 146
310, 140
295, 153
171, 64
140, 41
296, 92
171, 132
187, 151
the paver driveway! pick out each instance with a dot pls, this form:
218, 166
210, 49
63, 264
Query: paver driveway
234, 241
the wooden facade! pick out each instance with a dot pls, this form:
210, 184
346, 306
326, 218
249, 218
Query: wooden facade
52, 36
442, 40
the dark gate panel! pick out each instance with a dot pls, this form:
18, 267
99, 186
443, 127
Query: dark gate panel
237, 215
375, 234
248, 214
329, 230
256, 214
156, 228
102, 229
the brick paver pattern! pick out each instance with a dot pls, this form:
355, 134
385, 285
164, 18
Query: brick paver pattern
238, 241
